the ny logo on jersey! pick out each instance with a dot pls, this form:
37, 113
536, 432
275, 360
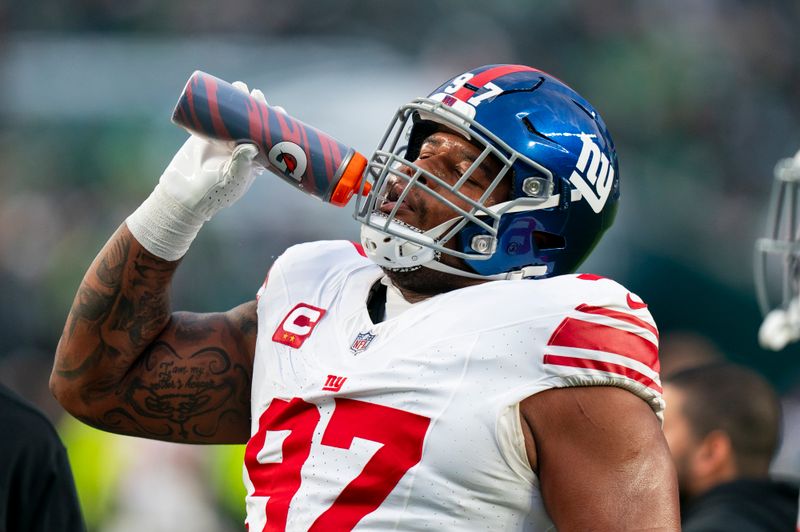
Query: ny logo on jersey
593, 174
297, 325
334, 383
362, 342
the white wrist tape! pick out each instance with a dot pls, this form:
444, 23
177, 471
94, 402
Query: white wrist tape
164, 227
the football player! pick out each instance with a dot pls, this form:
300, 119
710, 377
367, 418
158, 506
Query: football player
779, 250
448, 372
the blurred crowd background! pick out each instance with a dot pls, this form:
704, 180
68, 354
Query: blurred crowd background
702, 98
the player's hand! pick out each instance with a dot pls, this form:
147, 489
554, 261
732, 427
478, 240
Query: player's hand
206, 176
203, 177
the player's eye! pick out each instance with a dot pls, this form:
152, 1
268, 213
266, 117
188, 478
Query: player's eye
473, 179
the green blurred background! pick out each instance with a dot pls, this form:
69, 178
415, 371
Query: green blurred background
702, 97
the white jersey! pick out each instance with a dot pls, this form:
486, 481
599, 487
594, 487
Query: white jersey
413, 423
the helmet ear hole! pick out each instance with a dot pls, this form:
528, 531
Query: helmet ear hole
545, 240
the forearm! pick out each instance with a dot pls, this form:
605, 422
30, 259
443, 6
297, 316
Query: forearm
121, 306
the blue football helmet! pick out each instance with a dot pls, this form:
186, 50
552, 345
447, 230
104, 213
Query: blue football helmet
550, 143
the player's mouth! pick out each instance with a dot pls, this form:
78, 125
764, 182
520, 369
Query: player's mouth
391, 198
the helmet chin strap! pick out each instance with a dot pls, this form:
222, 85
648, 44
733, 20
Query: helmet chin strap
525, 272
394, 252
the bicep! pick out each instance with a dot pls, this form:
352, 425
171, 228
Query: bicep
602, 460
191, 384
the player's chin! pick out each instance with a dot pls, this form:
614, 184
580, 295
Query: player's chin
427, 282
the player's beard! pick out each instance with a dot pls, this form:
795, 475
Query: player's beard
426, 282
423, 281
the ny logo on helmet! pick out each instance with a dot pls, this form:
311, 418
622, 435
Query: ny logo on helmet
593, 174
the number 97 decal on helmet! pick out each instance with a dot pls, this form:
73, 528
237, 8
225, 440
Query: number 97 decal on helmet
552, 148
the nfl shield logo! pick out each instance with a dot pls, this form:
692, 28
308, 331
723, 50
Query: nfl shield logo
361, 342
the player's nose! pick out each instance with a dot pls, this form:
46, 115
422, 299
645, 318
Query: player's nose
412, 176
429, 175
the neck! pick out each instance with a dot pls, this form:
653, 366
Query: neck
423, 283
411, 296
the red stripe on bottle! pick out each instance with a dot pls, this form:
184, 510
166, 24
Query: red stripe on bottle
264, 112
587, 335
255, 123
289, 128
330, 152
617, 315
609, 367
213, 108
309, 179
479, 80
190, 101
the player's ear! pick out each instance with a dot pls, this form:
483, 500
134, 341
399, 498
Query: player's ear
714, 457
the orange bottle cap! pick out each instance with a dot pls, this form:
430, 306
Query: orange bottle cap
350, 181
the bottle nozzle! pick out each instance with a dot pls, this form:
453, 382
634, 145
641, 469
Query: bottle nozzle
350, 181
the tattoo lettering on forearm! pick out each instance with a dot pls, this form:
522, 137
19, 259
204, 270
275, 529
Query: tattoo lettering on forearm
192, 394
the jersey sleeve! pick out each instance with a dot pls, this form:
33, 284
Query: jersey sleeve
610, 342
311, 258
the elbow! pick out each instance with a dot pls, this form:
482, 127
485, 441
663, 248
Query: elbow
65, 386
58, 388
64, 392
69, 396
70, 392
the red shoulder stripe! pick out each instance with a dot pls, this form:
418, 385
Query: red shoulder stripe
587, 335
617, 315
588, 363
359, 248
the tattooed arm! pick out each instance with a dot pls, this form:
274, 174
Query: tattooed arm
126, 364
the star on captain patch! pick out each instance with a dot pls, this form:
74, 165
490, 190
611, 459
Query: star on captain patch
362, 342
